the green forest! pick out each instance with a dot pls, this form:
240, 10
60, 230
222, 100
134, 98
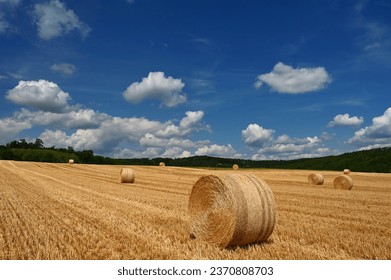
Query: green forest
374, 160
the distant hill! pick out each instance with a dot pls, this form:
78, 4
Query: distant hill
375, 160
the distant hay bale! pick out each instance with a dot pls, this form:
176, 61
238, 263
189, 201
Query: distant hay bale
346, 171
315, 179
71, 161
235, 167
343, 182
232, 209
162, 164
127, 175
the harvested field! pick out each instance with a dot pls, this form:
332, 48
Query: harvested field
62, 211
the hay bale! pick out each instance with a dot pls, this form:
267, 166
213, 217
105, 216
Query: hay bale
127, 175
315, 179
162, 164
346, 171
343, 182
235, 167
71, 161
232, 209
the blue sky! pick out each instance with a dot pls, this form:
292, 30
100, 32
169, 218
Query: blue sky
245, 79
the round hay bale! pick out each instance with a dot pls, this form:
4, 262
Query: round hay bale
232, 209
343, 182
71, 161
346, 171
162, 164
127, 175
235, 167
315, 179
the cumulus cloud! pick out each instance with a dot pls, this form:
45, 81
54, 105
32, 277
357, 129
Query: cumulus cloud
346, 120
53, 19
283, 147
110, 132
298, 148
255, 135
42, 95
286, 79
216, 150
64, 69
378, 134
80, 118
84, 128
156, 86
10, 128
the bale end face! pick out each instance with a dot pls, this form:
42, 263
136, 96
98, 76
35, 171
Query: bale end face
343, 182
127, 175
315, 179
162, 164
231, 210
235, 167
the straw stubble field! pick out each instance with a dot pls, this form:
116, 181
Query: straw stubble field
62, 211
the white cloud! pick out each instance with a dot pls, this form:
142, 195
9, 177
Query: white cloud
10, 128
378, 134
216, 150
156, 86
192, 122
298, 148
86, 129
64, 69
42, 95
115, 130
255, 135
282, 147
286, 79
134, 153
191, 119
80, 118
345, 120
150, 140
53, 19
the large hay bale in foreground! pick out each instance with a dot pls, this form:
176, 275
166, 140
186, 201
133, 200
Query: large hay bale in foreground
235, 167
162, 164
231, 209
127, 175
346, 171
343, 182
315, 179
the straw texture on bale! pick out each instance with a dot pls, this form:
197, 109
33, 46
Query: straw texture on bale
162, 164
232, 209
71, 161
127, 175
235, 167
346, 171
315, 179
343, 182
